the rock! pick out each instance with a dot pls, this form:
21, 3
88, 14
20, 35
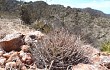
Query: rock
2, 34
107, 65
33, 37
22, 53
25, 48
88, 67
11, 66
101, 60
26, 57
7, 55
13, 57
105, 60
12, 42
2, 61
90, 50
23, 68
95, 59
38, 34
1, 52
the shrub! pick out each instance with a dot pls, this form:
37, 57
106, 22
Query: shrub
106, 47
25, 15
40, 25
62, 48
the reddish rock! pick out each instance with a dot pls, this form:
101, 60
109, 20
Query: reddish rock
12, 42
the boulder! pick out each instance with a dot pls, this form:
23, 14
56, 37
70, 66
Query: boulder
105, 60
90, 50
33, 37
101, 60
12, 42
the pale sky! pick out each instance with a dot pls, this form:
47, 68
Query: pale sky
103, 5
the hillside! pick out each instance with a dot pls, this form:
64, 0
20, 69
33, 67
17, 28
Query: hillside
91, 25
8, 26
23, 48
38, 36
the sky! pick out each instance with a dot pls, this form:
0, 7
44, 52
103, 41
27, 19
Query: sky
102, 5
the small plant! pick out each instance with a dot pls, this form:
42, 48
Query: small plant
40, 25
106, 47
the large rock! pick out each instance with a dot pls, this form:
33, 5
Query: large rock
34, 40
33, 37
101, 59
89, 50
12, 42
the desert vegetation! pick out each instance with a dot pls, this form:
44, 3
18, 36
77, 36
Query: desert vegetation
62, 49
56, 37
106, 47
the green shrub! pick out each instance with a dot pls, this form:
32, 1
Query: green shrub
106, 47
25, 15
40, 25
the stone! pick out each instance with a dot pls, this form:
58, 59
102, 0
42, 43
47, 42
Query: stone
13, 57
33, 37
88, 67
8, 54
1, 52
11, 65
38, 35
2, 61
105, 60
12, 42
26, 57
25, 48
90, 50
23, 68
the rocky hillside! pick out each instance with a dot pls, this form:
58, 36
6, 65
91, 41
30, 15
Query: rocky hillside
22, 48
67, 44
91, 25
